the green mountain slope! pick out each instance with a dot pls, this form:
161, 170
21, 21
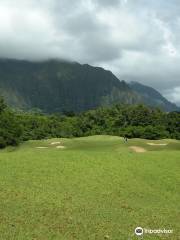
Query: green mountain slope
54, 86
151, 97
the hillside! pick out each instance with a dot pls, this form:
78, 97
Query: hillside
56, 86
152, 97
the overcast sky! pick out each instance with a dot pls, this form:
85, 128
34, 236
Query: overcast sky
135, 39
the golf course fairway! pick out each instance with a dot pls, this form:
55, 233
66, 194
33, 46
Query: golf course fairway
89, 188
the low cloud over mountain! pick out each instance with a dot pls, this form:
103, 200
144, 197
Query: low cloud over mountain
137, 40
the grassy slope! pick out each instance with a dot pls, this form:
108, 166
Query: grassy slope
95, 187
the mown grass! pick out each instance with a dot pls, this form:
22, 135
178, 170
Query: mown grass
95, 188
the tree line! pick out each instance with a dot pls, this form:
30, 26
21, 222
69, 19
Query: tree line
131, 121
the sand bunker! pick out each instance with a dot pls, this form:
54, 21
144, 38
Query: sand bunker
138, 149
60, 147
41, 147
55, 143
157, 144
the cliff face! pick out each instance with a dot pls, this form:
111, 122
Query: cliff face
54, 86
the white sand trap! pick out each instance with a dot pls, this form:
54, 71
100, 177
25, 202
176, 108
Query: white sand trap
157, 144
138, 149
41, 147
55, 143
60, 147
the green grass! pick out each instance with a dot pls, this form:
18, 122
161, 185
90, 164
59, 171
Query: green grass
94, 188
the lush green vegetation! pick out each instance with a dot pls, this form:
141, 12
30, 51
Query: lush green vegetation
95, 188
10, 127
54, 86
136, 121
121, 120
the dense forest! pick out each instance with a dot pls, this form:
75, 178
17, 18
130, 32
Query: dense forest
132, 121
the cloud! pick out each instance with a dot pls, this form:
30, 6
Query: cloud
137, 40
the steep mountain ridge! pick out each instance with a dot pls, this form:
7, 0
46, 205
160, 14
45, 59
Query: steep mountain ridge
56, 86
152, 97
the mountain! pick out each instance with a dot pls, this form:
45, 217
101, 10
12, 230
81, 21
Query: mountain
152, 97
56, 86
